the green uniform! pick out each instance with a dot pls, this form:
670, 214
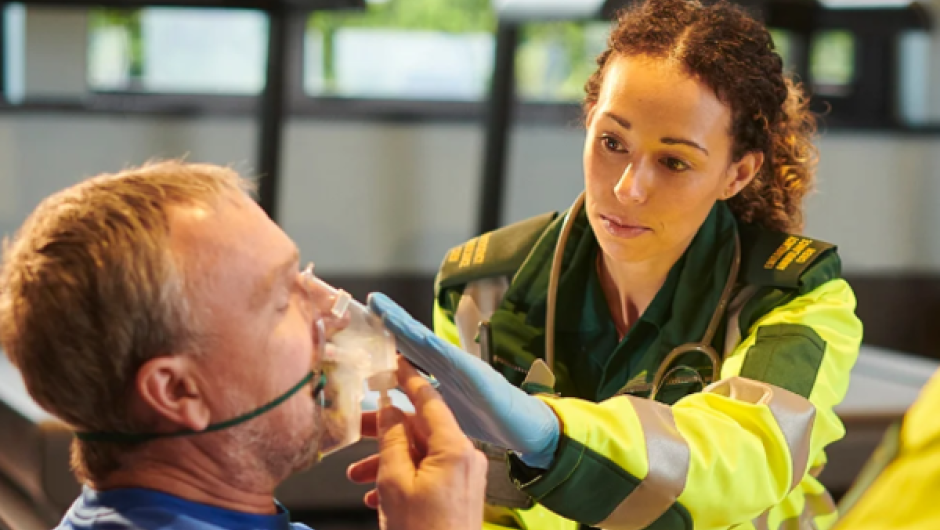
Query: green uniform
743, 452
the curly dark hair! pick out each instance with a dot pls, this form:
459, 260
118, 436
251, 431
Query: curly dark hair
722, 46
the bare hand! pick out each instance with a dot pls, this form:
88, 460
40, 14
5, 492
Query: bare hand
428, 474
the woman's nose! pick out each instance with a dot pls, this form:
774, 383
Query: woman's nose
632, 186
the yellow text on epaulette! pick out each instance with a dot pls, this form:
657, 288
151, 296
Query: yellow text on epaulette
472, 252
494, 253
793, 249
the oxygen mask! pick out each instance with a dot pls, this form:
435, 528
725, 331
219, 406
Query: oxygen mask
357, 354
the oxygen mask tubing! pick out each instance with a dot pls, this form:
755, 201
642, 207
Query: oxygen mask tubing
356, 353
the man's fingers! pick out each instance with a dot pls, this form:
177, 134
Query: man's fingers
370, 429
370, 426
372, 499
394, 445
431, 413
364, 471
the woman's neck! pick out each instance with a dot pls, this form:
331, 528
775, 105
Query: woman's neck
630, 287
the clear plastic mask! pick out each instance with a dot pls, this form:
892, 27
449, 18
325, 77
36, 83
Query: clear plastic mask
357, 354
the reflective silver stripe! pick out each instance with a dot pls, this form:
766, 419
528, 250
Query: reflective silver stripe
801, 522
814, 506
668, 456
820, 504
479, 301
794, 415
500, 489
792, 523
733, 333
761, 523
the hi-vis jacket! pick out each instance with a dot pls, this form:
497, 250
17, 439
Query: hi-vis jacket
743, 452
899, 486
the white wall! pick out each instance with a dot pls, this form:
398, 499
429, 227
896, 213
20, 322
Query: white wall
370, 198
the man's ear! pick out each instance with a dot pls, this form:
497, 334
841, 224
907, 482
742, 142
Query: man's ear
169, 389
741, 173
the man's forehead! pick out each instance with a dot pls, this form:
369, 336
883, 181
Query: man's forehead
231, 231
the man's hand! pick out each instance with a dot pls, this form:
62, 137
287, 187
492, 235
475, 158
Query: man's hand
428, 475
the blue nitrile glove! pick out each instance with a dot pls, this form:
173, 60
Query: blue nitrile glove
487, 406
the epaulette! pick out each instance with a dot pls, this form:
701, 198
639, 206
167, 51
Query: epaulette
497, 253
777, 259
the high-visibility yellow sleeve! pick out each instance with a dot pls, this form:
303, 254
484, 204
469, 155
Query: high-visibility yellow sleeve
728, 455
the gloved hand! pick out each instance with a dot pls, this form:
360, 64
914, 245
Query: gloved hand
487, 406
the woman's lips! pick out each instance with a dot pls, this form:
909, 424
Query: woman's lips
617, 227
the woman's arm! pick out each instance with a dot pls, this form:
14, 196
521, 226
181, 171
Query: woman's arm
720, 457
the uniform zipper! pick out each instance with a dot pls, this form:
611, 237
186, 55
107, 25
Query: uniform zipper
509, 365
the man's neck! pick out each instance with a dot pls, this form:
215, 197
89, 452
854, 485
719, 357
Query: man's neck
196, 476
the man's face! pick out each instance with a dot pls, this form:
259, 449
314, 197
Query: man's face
243, 280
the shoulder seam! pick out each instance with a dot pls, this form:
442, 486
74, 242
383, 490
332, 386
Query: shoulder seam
497, 253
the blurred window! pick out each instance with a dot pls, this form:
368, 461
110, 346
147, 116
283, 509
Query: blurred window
13, 47
832, 62
785, 43
918, 96
555, 60
177, 50
402, 49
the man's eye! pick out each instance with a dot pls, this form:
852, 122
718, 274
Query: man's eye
284, 302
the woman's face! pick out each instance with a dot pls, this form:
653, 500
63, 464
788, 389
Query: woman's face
656, 158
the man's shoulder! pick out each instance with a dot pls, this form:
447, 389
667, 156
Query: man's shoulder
112, 521
86, 514
143, 509
497, 253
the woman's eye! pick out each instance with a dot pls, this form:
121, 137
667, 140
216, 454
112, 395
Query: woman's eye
611, 144
675, 165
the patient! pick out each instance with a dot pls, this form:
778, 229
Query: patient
162, 315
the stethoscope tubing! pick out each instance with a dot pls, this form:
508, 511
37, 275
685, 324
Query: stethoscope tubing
703, 346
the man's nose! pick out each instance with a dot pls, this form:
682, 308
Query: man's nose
313, 300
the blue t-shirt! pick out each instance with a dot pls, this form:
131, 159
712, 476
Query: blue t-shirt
143, 509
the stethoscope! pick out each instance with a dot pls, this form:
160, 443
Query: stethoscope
663, 373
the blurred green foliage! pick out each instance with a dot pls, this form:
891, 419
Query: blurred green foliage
129, 20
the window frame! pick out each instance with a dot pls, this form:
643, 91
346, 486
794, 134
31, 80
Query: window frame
871, 104
302, 105
299, 102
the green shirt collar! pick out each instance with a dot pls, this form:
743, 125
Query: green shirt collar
681, 310
582, 305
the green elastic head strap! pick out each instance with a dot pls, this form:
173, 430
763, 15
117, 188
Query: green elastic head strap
122, 437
